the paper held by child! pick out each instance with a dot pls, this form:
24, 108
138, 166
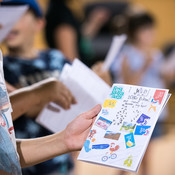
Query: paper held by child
9, 17
115, 48
88, 89
123, 128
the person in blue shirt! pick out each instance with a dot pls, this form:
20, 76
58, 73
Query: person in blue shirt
24, 65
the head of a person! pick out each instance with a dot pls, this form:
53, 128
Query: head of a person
24, 31
141, 29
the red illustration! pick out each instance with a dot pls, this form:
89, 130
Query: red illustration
158, 96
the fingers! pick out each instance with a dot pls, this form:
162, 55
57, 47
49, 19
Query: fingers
64, 97
63, 102
93, 112
68, 95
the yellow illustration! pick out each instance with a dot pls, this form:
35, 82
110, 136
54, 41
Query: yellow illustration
129, 143
109, 103
152, 107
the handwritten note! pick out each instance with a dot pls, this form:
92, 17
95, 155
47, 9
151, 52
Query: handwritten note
124, 126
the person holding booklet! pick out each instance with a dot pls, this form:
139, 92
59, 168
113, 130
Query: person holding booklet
34, 151
25, 65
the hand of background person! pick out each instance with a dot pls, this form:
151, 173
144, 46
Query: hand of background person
77, 131
36, 96
57, 92
105, 75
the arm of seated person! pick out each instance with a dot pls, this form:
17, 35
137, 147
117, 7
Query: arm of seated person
34, 151
105, 75
133, 77
26, 99
66, 41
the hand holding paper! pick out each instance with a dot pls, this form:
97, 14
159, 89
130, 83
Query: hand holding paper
77, 131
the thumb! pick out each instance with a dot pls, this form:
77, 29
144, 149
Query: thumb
93, 112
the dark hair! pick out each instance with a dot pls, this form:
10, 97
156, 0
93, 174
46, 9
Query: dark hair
138, 22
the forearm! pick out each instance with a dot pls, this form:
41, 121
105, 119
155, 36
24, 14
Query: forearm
25, 99
34, 151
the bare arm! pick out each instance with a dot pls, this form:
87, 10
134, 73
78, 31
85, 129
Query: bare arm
133, 77
35, 151
66, 41
39, 94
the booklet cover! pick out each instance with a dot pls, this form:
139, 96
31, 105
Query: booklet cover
123, 128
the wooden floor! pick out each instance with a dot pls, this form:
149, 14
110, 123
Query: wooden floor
160, 160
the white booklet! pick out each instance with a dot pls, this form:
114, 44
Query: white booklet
123, 128
88, 89
8, 17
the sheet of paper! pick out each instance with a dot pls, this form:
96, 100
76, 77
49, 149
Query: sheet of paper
122, 130
88, 89
114, 50
8, 18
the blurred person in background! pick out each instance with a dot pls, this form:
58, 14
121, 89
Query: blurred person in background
23, 66
139, 63
65, 32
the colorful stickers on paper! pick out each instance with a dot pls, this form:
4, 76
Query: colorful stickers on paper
117, 92
111, 154
128, 127
112, 135
158, 96
105, 112
129, 140
143, 119
109, 103
128, 161
142, 130
103, 123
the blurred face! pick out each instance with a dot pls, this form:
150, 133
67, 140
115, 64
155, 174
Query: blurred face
23, 32
146, 36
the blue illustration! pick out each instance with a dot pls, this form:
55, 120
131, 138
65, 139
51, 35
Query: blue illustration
117, 92
143, 119
129, 140
154, 101
100, 146
142, 130
105, 112
86, 146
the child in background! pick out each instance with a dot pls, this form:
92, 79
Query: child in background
23, 66
139, 63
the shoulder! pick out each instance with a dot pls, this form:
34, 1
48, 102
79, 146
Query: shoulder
54, 54
55, 58
158, 55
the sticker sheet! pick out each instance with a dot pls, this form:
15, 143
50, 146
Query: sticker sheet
122, 130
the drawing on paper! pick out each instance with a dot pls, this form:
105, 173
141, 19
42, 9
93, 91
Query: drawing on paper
158, 96
129, 140
143, 119
105, 112
112, 135
117, 92
127, 127
111, 154
109, 103
128, 161
103, 123
142, 130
